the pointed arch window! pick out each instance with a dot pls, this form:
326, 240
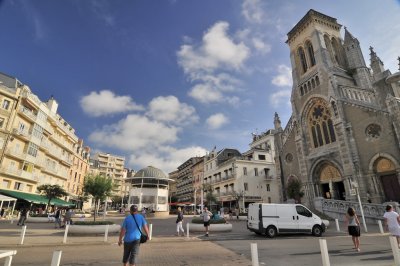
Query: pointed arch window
310, 51
321, 125
302, 58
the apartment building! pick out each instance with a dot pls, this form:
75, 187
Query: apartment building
37, 143
238, 179
78, 170
111, 166
184, 182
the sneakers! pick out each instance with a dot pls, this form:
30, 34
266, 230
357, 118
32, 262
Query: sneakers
206, 235
358, 249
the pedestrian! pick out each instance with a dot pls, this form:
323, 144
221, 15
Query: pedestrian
179, 221
392, 220
57, 218
144, 212
206, 215
68, 216
130, 233
237, 213
22, 217
230, 214
353, 225
2, 213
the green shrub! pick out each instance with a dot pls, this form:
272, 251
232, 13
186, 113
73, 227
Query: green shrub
198, 220
93, 222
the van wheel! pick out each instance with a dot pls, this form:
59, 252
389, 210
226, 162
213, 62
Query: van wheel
317, 230
271, 231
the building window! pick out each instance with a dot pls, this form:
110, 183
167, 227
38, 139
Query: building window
321, 125
268, 187
310, 51
29, 188
1, 122
269, 200
6, 104
261, 157
18, 186
33, 149
6, 183
244, 170
37, 131
21, 127
256, 171
28, 167
246, 186
302, 58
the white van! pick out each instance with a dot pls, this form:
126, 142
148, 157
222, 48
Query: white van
272, 219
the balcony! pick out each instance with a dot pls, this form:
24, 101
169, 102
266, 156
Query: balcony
21, 155
20, 174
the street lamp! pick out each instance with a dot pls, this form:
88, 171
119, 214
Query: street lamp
355, 185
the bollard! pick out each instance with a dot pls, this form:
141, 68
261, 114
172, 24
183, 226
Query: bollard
12, 220
337, 225
21, 241
66, 233
380, 227
106, 233
324, 252
187, 230
395, 249
150, 231
55, 261
254, 254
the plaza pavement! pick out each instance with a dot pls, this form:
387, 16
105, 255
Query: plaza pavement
41, 240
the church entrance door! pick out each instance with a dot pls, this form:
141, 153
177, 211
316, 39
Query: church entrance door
391, 187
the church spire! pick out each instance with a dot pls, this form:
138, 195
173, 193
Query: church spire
277, 121
376, 62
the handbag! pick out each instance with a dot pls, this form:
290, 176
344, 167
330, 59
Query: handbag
143, 237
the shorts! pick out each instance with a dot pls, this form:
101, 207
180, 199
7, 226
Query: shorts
131, 252
206, 223
354, 231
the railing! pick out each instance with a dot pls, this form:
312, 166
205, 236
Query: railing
338, 208
356, 94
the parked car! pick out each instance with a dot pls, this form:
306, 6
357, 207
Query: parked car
273, 219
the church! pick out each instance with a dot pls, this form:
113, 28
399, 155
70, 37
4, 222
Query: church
343, 136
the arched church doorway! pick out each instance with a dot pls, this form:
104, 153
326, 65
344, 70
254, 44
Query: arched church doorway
331, 182
386, 171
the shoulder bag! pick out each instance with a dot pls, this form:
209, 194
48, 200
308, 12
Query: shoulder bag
143, 237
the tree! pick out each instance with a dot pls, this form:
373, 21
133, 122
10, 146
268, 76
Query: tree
51, 192
237, 196
210, 197
99, 187
293, 189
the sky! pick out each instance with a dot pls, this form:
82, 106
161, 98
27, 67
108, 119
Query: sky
161, 81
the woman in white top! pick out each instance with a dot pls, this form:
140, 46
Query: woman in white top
353, 225
392, 221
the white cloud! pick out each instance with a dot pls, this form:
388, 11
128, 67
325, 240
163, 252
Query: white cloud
168, 109
216, 121
284, 78
206, 93
106, 102
261, 46
207, 64
252, 11
166, 158
135, 132
280, 99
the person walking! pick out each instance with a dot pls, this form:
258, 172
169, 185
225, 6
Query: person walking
206, 215
353, 225
130, 235
57, 218
392, 221
179, 221
22, 217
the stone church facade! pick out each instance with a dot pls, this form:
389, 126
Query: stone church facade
344, 131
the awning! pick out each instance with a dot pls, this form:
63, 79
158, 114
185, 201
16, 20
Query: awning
6, 198
35, 198
29, 197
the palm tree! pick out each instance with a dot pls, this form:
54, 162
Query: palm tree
51, 192
99, 187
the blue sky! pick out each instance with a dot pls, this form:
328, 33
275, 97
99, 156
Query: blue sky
161, 81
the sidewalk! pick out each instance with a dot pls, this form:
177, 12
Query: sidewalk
41, 242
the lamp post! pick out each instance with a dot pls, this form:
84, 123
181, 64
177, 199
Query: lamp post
355, 185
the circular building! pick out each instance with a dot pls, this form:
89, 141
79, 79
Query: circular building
149, 189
